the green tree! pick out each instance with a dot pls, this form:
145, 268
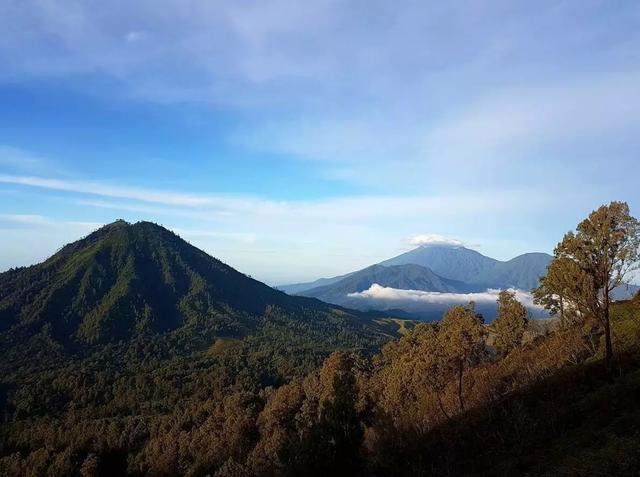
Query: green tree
462, 339
593, 260
510, 323
561, 290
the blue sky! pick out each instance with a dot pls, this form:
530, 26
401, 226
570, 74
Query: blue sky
302, 139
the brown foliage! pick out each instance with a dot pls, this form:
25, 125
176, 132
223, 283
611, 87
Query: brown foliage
510, 323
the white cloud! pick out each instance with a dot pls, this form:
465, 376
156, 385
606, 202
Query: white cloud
135, 36
502, 127
434, 239
522, 135
26, 219
350, 90
388, 294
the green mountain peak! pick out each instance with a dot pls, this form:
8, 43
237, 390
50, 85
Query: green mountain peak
125, 281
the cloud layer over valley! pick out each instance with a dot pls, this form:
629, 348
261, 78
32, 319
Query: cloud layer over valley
416, 301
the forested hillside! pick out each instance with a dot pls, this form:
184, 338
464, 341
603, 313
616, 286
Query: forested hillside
141, 286
302, 388
546, 408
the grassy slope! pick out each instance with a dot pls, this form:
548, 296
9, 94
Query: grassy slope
606, 438
577, 422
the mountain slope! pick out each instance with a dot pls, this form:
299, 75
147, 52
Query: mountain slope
296, 288
407, 277
470, 269
454, 263
522, 272
126, 281
469, 266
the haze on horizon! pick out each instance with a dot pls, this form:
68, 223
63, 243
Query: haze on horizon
295, 140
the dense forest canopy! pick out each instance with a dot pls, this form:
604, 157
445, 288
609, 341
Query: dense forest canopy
132, 353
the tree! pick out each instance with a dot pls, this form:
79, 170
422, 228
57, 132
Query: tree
433, 365
90, 466
412, 374
511, 322
339, 421
462, 339
561, 289
593, 260
312, 426
279, 444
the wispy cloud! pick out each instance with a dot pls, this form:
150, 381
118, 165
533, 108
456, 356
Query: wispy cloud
135, 36
525, 134
474, 119
237, 237
97, 188
339, 209
33, 220
27, 219
295, 232
380, 95
19, 160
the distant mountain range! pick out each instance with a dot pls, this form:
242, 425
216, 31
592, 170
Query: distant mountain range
428, 268
407, 277
468, 269
471, 267
444, 272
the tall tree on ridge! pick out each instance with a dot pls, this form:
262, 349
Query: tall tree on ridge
592, 261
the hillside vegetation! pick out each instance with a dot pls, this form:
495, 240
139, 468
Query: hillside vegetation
302, 388
547, 408
142, 286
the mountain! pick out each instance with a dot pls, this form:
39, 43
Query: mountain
458, 263
429, 268
406, 277
455, 263
469, 266
127, 282
626, 291
409, 291
522, 272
